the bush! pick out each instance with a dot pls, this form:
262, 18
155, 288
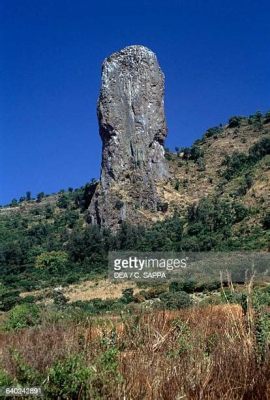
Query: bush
153, 292
266, 221
63, 201
261, 298
244, 184
240, 211
127, 295
201, 164
23, 316
196, 152
235, 122
267, 118
68, 378
175, 300
97, 306
8, 299
208, 286
240, 161
52, 261
259, 150
5, 379
235, 164
216, 130
187, 286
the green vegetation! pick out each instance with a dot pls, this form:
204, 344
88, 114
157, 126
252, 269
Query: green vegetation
239, 162
235, 122
175, 300
266, 221
50, 246
68, 377
85, 357
47, 242
22, 316
213, 132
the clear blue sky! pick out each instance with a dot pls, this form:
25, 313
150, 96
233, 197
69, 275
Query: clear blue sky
214, 53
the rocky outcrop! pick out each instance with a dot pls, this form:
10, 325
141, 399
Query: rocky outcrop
132, 127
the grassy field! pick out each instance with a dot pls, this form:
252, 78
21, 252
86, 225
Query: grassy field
201, 352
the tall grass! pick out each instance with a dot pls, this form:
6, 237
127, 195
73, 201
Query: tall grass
206, 352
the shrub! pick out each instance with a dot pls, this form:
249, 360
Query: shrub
23, 316
235, 122
8, 299
52, 261
97, 306
153, 292
244, 185
208, 286
261, 298
266, 221
127, 295
216, 130
187, 286
196, 152
235, 164
240, 211
25, 373
59, 299
63, 201
255, 118
201, 164
40, 196
259, 150
240, 161
68, 378
5, 378
267, 118
175, 300
262, 332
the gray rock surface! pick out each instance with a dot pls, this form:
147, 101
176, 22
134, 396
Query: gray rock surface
132, 127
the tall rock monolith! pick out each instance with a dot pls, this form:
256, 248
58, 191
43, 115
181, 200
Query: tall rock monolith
132, 127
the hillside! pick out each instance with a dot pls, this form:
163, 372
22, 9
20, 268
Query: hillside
63, 324
217, 197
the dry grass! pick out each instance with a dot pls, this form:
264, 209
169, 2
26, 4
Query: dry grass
88, 290
200, 353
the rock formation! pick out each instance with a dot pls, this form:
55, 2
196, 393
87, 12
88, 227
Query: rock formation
132, 127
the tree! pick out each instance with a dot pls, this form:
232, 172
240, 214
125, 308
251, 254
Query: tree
14, 202
52, 261
28, 196
235, 122
40, 196
196, 153
63, 201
